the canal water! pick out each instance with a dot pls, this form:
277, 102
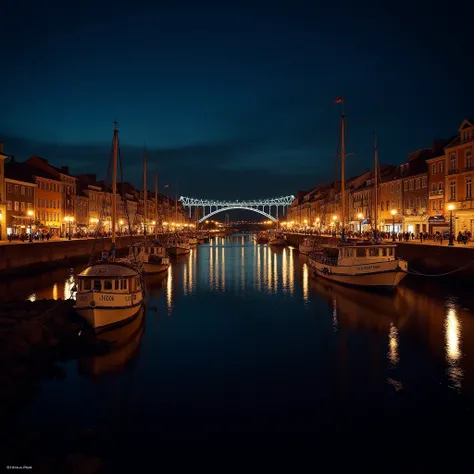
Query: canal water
241, 343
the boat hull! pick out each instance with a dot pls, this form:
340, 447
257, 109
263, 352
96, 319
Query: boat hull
176, 251
151, 268
104, 317
387, 275
278, 241
303, 250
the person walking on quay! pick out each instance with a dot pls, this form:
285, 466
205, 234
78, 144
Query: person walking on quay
460, 237
421, 237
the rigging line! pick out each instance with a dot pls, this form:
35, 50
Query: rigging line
415, 272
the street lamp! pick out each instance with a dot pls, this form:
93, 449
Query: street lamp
451, 240
1, 218
393, 212
30, 214
334, 218
121, 224
69, 220
360, 216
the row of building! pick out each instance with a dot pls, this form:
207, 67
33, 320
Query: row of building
419, 195
36, 196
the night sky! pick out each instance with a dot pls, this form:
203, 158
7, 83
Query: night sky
233, 100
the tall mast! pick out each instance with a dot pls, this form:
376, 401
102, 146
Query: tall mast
376, 193
343, 156
114, 181
145, 196
156, 203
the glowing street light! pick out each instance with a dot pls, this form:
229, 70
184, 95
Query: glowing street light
360, 216
30, 215
450, 209
394, 213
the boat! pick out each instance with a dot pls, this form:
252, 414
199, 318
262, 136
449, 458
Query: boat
277, 238
178, 245
150, 255
307, 246
262, 238
109, 292
359, 263
193, 241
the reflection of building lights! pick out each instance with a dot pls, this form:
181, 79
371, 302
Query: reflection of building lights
211, 268
305, 281
335, 322
223, 268
169, 289
393, 345
259, 273
275, 272
269, 269
216, 268
291, 274
284, 270
242, 266
453, 330
55, 291
32, 297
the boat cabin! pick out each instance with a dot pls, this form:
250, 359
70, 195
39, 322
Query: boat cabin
118, 279
357, 254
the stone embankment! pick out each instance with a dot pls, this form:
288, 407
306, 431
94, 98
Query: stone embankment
428, 258
34, 338
16, 258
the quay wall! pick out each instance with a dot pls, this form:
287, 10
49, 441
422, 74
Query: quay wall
431, 259
16, 258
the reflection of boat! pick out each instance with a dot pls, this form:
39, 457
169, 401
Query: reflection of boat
361, 308
109, 292
125, 344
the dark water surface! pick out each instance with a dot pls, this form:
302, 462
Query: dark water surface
245, 344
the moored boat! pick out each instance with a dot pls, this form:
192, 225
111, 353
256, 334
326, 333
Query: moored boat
360, 264
152, 256
109, 292
277, 239
178, 245
307, 246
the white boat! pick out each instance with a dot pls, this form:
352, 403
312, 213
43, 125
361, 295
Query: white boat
178, 245
360, 264
109, 292
193, 241
307, 246
152, 256
368, 264
277, 239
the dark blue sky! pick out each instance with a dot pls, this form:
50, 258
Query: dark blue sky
234, 100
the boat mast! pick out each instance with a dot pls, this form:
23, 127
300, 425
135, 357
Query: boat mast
343, 156
156, 202
145, 196
114, 182
376, 194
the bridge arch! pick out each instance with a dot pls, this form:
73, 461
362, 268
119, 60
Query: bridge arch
259, 211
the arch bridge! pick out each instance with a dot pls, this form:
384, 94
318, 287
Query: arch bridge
269, 208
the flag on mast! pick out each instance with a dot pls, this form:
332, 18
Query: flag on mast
167, 185
339, 100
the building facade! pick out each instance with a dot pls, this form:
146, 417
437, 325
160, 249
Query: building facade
459, 178
3, 201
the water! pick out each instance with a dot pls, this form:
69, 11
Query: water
243, 344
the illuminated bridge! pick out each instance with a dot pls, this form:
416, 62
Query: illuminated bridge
269, 208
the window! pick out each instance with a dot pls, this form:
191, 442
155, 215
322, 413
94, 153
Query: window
441, 167
9, 205
440, 186
441, 204
412, 184
23, 190
406, 203
42, 202
399, 186
468, 188
39, 202
388, 205
17, 206
424, 182
405, 185
38, 216
30, 191
433, 205
9, 188
17, 188
97, 285
418, 183
425, 202
410, 203
360, 252
453, 162
433, 168
468, 159
86, 284
381, 206
373, 252
107, 285
433, 186
418, 202
42, 185
23, 205
453, 190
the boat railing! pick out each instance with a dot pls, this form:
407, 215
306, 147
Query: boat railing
324, 259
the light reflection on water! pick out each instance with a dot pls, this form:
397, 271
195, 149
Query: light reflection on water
267, 331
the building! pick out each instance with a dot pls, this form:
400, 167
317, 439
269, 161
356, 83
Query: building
67, 189
459, 177
82, 211
415, 191
390, 200
3, 202
436, 189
